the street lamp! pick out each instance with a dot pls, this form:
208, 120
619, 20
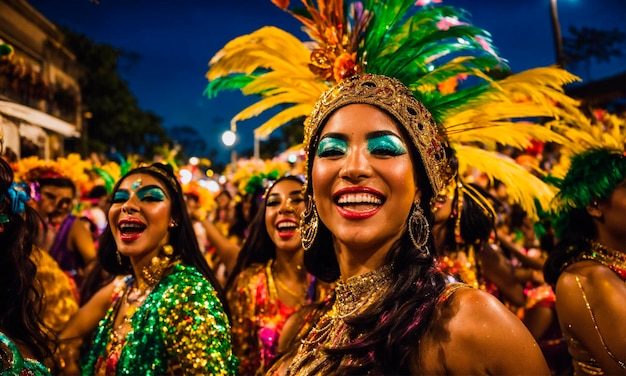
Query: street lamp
257, 145
229, 138
556, 31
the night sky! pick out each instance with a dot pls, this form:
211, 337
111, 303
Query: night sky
176, 39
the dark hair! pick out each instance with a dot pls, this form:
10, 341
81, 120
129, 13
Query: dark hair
192, 196
573, 241
240, 222
258, 246
97, 192
60, 182
182, 237
224, 192
477, 220
387, 345
20, 292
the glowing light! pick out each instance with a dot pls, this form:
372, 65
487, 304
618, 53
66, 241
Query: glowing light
194, 161
229, 138
213, 186
185, 176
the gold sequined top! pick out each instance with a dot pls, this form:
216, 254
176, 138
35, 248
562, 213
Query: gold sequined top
59, 299
258, 316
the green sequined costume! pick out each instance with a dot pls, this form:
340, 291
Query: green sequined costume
181, 328
13, 363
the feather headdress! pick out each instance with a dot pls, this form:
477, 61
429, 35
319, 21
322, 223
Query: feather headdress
589, 169
72, 167
250, 174
448, 63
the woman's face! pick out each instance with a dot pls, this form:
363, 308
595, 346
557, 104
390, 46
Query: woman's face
283, 206
362, 178
55, 203
614, 211
442, 205
139, 216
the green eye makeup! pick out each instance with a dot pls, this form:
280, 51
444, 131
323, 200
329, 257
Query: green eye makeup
386, 144
121, 196
151, 192
331, 146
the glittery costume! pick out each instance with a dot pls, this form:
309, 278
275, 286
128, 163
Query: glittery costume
258, 316
467, 269
59, 299
326, 327
13, 363
583, 360
180, 327
59, 294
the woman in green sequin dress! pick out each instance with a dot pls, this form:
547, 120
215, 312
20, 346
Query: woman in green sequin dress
165, 312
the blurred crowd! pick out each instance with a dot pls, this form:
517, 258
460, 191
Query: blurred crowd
256, 259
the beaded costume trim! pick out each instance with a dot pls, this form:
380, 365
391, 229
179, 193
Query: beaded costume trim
353, 297
392, 96
612, 259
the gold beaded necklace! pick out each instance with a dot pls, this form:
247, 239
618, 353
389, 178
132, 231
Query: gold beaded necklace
134, 298
271, 272
611, 258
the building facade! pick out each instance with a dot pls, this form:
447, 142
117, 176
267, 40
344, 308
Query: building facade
40, 101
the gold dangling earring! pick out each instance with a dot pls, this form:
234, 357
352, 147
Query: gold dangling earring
309, 225
153, 273
419, 229
119, 257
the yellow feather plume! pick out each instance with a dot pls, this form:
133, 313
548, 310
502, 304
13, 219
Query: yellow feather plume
288, 82
522, 186
610, 131
509, 114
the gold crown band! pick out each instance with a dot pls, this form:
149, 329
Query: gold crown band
153, 168
394, 97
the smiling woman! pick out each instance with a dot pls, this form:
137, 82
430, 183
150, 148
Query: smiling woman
375, 159
269, 282
165, 303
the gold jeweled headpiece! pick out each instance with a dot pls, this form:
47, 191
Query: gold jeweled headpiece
392, 96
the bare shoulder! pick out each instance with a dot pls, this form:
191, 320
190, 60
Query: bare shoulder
477, 318
590, 300
591, 276
588, 285
472, 332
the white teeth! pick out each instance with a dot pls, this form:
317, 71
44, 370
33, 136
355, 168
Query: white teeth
359, 198
131, 226
286, 225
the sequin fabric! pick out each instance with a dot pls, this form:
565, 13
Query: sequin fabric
59, 300
258, 316
13, 363
180, 329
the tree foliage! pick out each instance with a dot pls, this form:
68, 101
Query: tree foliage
116, 121
190, 142
586, 44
